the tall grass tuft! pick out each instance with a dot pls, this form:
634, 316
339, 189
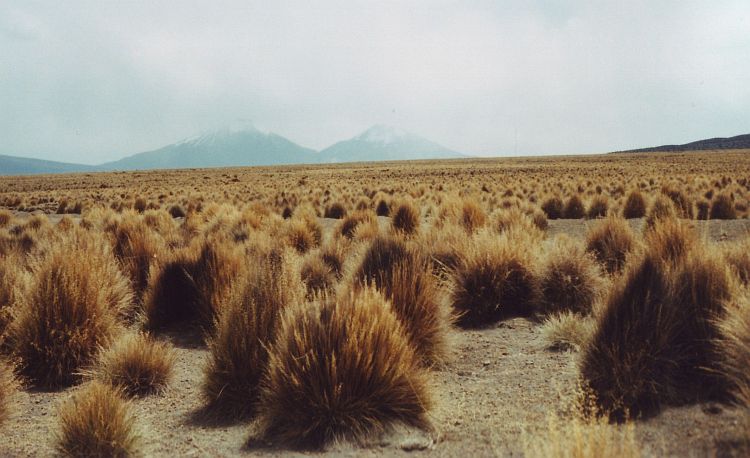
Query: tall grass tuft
341, 369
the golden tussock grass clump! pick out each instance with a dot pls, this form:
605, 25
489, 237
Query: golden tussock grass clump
441, 245
539, 219
635, 205
553, 207
383, 209
448, 212
341, 369
172, 295
140, 204
495, 279
567, 331
473, 217
176, 211
65, 224
136, 364
734, 346
381, 254
737, 256
97, 421
334, 255
574, 208
190, 287
218, 266
598, 208
569, 279
653, 344
405, 218
354, 224
299, 236
317, 276
404, 277
71, 309
6, 217
611, 241
138, 248
307, 215
703, 207
335, 211
7, 389
662, 208
246, 328
514, 220
12, 284
670, 240
722, 207
682, 203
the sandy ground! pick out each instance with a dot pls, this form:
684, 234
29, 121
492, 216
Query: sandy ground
497, 392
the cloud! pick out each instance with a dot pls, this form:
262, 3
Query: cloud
91, 81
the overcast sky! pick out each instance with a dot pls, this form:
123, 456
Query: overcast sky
91, 81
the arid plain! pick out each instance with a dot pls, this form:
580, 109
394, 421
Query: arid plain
559, 306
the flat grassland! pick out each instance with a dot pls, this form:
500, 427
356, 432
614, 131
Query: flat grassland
556, 306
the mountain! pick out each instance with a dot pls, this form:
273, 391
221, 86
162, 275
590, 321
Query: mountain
228, 147
244, 145
738, 142
385, 143
13, 165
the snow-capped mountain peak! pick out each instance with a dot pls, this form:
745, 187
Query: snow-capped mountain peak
238, 127
382, 134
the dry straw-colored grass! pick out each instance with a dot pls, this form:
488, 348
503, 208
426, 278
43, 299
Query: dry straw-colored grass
583, 437
734, 345
171, 297
661, 209
136, 364
574, 208
473, 217
317, 276
97, 421
722, 207
404, 276
567, 331
494, 279
635, 205
405, 218
611, 241
341, 369
569, 279
247, 328
138, 248
71, 310
7, 389
653, 344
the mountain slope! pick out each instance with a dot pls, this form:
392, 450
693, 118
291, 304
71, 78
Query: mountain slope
384, 143
737, 142
14, 165
223, 148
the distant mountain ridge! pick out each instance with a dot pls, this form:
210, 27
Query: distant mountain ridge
244, 145
736, 142
14, 165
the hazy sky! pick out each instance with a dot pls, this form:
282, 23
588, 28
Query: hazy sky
90, 81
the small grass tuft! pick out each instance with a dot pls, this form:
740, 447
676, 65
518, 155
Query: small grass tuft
97, 421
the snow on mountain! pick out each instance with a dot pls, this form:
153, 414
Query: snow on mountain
231, 146
385, 143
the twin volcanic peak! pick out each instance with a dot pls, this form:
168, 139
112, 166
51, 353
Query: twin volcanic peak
242, 144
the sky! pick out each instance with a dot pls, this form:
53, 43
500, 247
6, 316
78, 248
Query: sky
93, 81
